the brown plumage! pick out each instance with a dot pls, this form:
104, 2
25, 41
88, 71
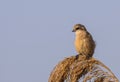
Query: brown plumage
84, 42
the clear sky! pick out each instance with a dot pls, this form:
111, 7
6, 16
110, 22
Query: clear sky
36, 34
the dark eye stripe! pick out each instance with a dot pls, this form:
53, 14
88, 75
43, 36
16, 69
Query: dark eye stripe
77, 28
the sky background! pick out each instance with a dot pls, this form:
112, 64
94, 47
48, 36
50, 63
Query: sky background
36, 34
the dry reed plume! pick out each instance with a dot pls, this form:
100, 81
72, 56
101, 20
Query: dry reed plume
81, 69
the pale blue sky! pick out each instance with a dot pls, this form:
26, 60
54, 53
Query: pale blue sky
36, 34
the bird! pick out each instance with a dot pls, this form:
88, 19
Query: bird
84, 43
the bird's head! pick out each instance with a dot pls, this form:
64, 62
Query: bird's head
79, 27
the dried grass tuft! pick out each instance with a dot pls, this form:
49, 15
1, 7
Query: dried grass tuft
81, 69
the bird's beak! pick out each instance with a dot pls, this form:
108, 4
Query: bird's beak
73, 30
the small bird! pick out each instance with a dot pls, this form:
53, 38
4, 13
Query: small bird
84, 43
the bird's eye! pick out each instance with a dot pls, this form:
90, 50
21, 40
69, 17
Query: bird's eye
77, 28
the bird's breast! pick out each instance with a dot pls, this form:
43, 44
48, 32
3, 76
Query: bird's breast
79, 44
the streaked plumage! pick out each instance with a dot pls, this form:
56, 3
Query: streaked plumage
84, 42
